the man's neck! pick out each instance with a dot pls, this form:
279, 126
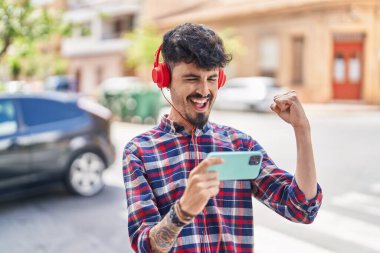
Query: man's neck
175, 117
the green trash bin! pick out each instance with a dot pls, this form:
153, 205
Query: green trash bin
113, 101
146, 106
135, 102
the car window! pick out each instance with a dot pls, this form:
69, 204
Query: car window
8, 120
43, 111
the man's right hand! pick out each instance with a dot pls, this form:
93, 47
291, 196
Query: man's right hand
202, 185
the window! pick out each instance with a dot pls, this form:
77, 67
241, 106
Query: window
268, 56
354, 67
82, 29
115, 27
298, 60
44, 111
122, 24
339, 68
8, 120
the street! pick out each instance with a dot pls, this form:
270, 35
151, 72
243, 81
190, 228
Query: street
346, 143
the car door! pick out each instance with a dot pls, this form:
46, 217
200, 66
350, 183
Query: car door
51, 125
14, 153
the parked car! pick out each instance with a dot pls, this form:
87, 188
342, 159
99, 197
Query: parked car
60, 83
17, 87
53, 137
248, 93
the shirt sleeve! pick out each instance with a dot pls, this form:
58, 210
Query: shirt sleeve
278, 190
142, 209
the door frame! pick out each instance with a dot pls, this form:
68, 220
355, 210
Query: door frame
353, 37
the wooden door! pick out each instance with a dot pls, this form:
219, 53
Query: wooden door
348, 70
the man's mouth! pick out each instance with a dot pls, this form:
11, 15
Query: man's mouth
200, 104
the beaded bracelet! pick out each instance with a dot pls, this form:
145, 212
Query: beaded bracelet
186, 216
174, 218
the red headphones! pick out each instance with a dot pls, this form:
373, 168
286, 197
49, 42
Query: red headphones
161, 73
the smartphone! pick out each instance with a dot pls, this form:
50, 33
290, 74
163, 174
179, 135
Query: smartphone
237, 165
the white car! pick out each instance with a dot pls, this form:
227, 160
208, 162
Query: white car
248, 93
17, 87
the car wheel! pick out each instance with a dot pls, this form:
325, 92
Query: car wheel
85, 174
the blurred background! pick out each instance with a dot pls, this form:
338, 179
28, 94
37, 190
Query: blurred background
75, 87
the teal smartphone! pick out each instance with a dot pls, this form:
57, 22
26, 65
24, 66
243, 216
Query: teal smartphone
237, 165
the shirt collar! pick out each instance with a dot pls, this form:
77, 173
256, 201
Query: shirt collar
169, 126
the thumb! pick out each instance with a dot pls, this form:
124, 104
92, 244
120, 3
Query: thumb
206, 163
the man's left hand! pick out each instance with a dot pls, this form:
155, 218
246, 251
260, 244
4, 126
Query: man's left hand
289, 108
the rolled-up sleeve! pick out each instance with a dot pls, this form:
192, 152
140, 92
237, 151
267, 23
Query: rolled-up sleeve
142, 209
278, 190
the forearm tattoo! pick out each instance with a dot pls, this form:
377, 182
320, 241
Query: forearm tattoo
164, 234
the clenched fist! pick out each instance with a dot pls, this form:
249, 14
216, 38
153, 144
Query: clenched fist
289, 108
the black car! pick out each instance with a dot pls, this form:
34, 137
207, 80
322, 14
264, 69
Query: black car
53, 137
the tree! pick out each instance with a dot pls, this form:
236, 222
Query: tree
22, 28
143, 45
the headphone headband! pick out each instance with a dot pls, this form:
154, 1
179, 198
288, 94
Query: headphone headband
161, 73
157, 56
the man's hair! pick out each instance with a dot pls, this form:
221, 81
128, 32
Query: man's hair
192, 43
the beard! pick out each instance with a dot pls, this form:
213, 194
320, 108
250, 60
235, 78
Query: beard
199, 120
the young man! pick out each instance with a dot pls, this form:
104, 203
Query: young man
174, 203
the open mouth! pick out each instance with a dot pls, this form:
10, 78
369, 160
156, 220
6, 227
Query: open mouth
200, 104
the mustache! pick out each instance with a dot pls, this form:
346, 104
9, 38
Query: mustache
197, 95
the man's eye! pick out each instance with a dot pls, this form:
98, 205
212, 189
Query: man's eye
190, 79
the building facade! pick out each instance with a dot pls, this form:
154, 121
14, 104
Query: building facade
326, 50
96, 50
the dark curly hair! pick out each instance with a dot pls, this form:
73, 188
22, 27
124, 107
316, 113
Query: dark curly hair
193, 43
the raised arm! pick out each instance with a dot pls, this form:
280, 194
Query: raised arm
289, 108
297, 198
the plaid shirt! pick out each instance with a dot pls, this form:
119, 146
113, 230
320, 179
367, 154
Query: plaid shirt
156, 166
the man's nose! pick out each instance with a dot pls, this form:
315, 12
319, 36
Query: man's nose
203, 88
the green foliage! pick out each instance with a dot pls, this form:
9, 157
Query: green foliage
15, 68
22, 30
144, 42
60, 66
231, 42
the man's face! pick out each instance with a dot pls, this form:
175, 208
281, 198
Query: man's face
193, 92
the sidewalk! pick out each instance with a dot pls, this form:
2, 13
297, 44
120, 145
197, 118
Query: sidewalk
341, 107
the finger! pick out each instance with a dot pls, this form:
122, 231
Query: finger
285, 95
212, 184
283, 103
276, 97
213, 191
205, 185
293, 93
275, 108
212, 175
206, 163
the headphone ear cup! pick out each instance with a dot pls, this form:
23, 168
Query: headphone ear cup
221, 79
161, 75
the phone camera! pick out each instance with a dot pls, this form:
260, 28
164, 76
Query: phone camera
254, 160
